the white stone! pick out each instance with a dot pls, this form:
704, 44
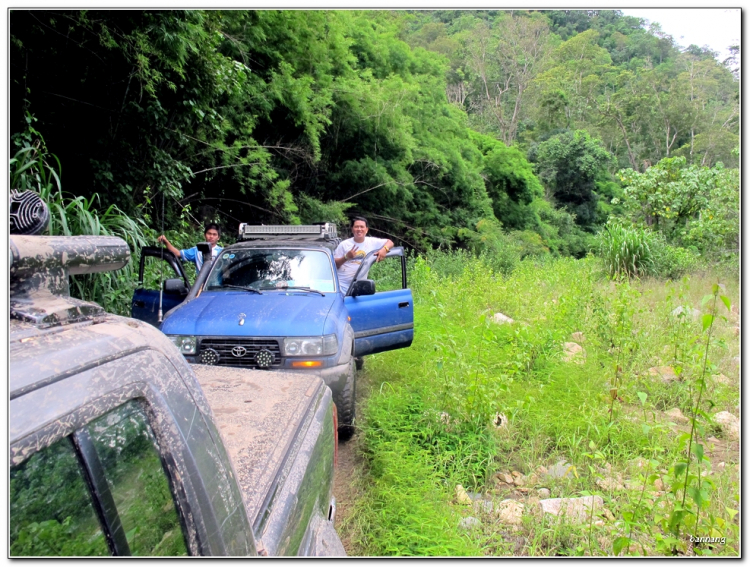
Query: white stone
573, 352
730, 425
694, 313
560, 469
500, 421
483, 506
578, 337
574, 509
510, 512
469, 523
544, 493
502, 319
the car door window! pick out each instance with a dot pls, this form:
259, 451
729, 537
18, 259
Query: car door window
156, 270
386, 274
50, 507
129, 457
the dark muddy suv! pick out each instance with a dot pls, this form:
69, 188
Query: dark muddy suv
118, 446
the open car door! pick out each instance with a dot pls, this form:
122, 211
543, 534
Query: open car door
158, 264
381, 320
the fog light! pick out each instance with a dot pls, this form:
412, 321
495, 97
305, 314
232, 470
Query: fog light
209, 356
264, 358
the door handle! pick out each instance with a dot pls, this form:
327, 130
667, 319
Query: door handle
403, 304
139, 303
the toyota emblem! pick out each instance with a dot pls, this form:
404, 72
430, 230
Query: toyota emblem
239, 351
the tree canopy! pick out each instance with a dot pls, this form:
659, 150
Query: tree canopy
430, 123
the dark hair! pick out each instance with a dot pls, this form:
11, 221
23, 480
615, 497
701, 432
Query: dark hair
363, 219
212, 225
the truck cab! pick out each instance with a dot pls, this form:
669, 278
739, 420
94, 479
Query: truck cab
118, 446
273, 301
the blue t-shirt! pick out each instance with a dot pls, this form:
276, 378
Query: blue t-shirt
192, 255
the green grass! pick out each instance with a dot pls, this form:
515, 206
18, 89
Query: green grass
426, 424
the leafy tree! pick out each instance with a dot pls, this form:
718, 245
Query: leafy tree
510, 182
691, 205
568, 164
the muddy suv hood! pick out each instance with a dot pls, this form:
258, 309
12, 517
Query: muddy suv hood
267, 315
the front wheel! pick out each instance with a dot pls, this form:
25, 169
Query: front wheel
345, 406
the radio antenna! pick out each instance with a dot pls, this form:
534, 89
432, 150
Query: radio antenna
161, 264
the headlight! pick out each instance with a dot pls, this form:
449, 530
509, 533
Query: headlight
311, 346
187, 345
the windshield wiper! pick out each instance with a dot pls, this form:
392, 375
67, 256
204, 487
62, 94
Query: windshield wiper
303, 288
243, 288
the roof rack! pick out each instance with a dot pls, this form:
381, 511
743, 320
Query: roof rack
321, 231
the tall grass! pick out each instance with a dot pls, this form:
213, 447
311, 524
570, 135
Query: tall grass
626, 251
34, 168
429, 421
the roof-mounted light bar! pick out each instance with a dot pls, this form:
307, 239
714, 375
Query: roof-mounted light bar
322, 231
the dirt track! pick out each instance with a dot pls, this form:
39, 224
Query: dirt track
343, 490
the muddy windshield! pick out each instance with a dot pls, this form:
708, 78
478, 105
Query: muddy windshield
264, 269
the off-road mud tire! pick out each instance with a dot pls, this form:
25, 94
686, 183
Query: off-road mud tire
345, 407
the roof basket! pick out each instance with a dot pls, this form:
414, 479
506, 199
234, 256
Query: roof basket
322, 231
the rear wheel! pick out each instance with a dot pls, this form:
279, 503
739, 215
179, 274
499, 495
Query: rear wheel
345, 406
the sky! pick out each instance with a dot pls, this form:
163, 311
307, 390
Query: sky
716, 27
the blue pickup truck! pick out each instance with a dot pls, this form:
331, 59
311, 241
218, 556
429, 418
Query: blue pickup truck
273, 301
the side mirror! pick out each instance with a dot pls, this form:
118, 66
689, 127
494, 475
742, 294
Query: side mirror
205, 249
175, 285
362, 287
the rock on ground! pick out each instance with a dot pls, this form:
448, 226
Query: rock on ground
721, 379
575, 509
573, 352
676, 415
484, 506
610, 483
730, 425
501, 319
469, 523
510, 512
666, 373
560, 469
694, 313
462, 497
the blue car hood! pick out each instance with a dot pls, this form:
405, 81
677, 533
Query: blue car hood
272, 314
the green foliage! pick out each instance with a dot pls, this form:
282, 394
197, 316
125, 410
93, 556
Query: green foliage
690, 205
569, 164
52, 538
430, 420
671, 261
34, 168
626, 251
511, 183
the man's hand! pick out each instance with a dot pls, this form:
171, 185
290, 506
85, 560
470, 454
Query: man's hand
381, 254
168, 244
346, 257
351, 254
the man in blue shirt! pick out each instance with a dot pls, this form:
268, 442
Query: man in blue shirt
212, 235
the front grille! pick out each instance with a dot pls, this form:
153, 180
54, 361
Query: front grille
223, 347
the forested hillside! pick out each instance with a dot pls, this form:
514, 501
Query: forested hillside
509, 132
